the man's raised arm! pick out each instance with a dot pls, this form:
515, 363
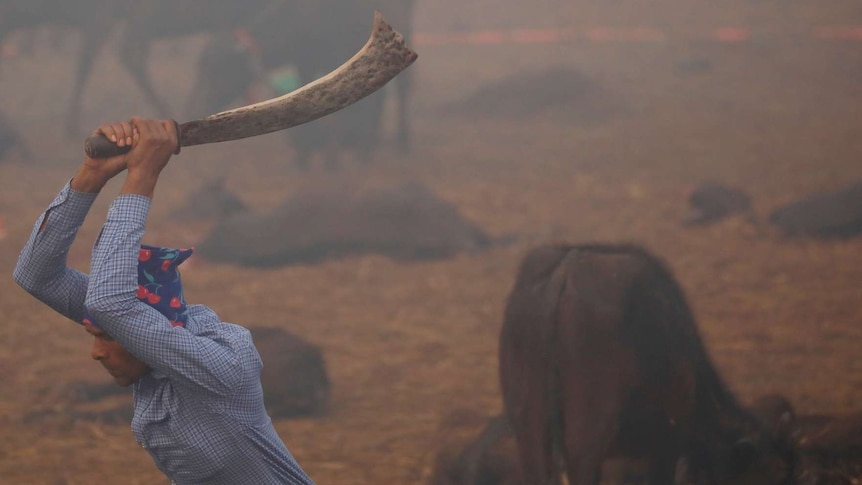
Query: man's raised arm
42, 265
112, 298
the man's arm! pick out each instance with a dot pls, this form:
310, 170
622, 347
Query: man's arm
111, 297
42, 265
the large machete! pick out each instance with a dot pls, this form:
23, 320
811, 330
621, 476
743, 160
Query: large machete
381, 59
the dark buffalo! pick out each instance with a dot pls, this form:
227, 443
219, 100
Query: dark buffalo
144, 21
828, 214
829, 448
486, 457
211, 201
407, 222
484, 452
11, 141
711, 202
600, 357
294, 377
315, 37
829, 434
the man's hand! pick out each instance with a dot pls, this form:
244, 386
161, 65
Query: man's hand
94, 173
156, 142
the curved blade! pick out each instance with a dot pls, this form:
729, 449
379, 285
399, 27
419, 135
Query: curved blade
379, 61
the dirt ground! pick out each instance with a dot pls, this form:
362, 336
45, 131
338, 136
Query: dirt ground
406, 344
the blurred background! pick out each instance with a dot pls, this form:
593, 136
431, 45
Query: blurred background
723, 136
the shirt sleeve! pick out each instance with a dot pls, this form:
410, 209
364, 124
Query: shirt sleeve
190, 360
41, 269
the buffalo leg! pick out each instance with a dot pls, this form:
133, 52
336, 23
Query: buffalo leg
365, 154
402, 123
27, 42
594, 373
303, 159
524, 379
93, 40
589, 415
134, 54
535, 443
3, 32
332, 155
663, 467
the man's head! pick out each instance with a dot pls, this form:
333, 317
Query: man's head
159, 286
124, 367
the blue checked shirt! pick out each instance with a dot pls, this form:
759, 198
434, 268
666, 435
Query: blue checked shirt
199, 412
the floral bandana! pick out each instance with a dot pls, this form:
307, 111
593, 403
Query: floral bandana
159, 283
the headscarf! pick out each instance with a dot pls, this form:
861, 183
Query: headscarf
159, 283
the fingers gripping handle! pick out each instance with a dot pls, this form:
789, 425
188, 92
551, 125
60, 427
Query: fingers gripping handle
99, 146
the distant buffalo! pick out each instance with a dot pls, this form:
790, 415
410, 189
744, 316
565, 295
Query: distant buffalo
209, 202
829, 448
832, 214
600, 357
711, 202
294, 377
828, 214
487, 456
407, 222
11, 141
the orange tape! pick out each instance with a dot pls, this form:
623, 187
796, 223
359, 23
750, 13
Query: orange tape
839, 33
727, 35
731, 34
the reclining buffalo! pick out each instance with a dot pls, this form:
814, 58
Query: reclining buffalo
828, 448
711, 202
832, 214
477, 451
294, 378
829, 214
333, 221
12, 143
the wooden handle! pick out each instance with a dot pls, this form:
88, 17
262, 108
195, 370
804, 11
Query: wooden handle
99, 146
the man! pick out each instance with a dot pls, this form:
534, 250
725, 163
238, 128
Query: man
198, 400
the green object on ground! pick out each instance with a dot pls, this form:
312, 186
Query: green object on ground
284, 80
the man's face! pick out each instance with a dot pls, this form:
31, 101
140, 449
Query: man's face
124, 367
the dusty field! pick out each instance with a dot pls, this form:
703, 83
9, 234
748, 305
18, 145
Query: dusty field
406, 344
